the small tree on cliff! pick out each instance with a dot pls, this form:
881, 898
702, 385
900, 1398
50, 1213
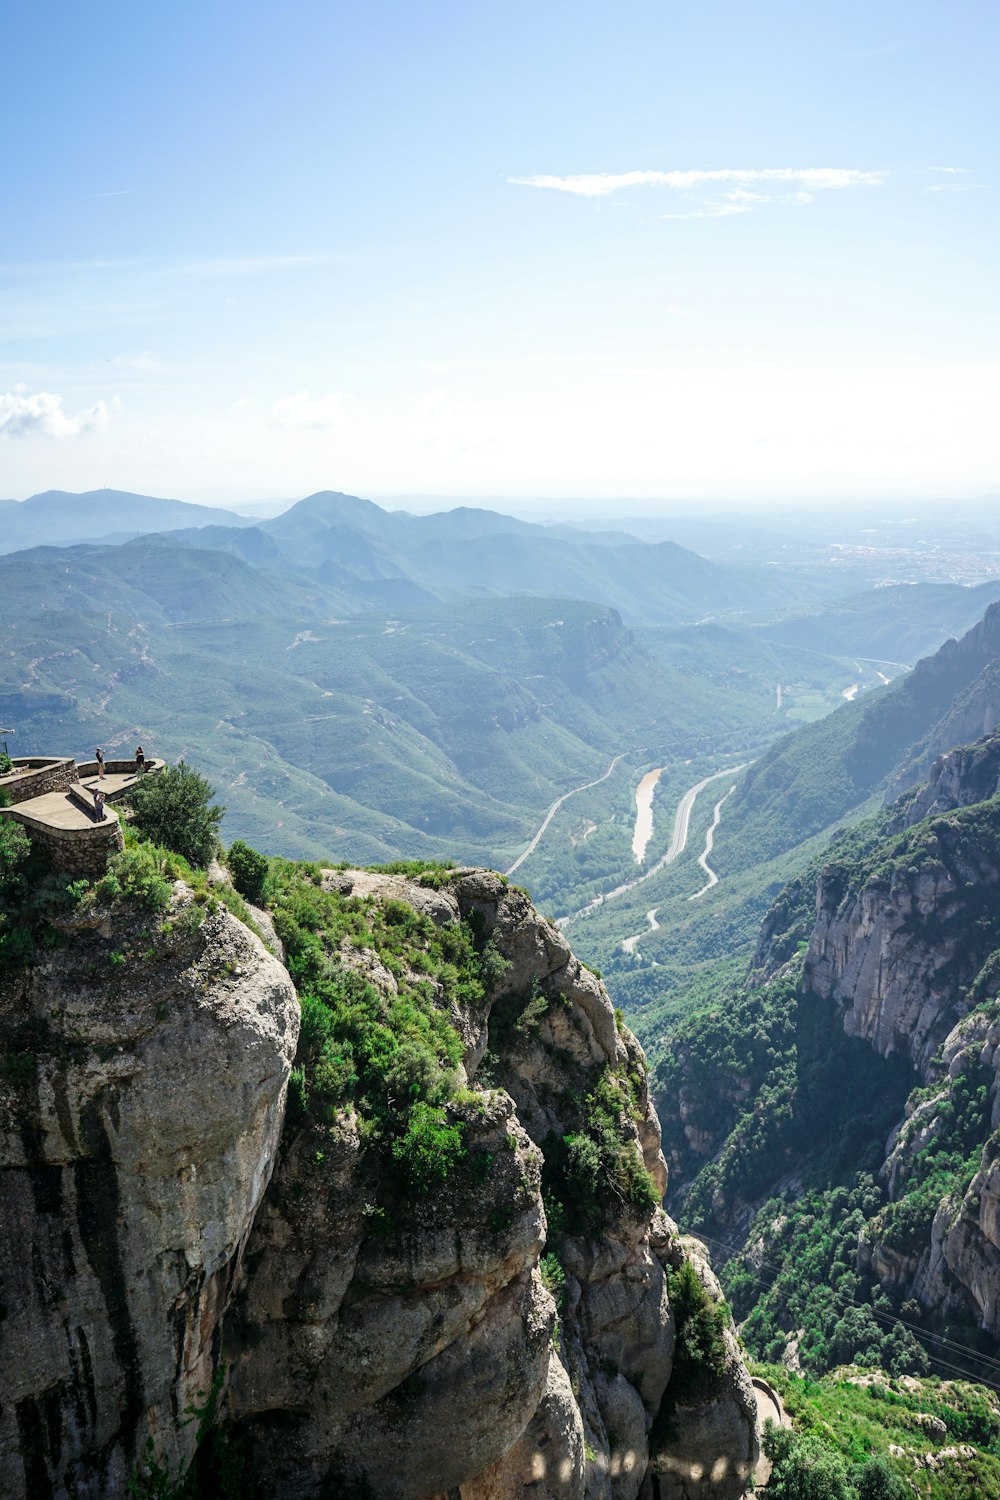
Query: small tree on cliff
175, 808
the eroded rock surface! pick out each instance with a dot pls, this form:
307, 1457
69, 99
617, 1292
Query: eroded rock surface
140, 1115
165, 1228
410, 1348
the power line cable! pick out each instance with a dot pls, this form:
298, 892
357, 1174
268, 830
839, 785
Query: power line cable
887, 1319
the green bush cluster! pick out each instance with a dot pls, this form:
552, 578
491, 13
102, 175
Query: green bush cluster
30, 894
843, 1430
138, 875
597, 1169
174, 809
700, 1354
248, 870
393, 1057
807, 1468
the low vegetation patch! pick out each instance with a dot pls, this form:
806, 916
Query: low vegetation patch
871, 1436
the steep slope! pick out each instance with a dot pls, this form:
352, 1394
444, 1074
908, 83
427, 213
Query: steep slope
870, 1017
826, 770
458, 1279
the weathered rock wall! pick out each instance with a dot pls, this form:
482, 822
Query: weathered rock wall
410, 1348
897, 951
78, 851
140, 1110
34, 778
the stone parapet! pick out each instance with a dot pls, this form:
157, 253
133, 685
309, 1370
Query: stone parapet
34, 776
78, 851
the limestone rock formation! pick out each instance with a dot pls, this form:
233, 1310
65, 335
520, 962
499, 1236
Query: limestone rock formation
897, 951
141, 1105
171, 1243
410, 1348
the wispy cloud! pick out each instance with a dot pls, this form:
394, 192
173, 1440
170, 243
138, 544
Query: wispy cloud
302, 410
22, 415
806, 179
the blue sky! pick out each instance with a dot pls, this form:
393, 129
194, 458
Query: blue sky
708, 252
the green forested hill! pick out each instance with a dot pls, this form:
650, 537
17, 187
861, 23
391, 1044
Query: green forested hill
446, 731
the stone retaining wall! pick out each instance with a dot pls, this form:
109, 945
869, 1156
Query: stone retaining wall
33, 777
78, 851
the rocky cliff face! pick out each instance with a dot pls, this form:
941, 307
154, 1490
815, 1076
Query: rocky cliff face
140, 1111
840, 1110
897, 947
958, 778
504, 1329
411, 1348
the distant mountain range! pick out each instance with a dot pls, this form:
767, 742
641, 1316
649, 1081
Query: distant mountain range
59, 518
377, 559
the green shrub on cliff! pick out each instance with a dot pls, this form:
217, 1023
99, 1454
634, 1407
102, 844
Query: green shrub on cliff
175, 808
700, 1355
136, 874
391, 1055
429, 1146
15, 847
248, 869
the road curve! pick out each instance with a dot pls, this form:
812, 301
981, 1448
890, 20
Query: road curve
653, 924
713, 879
557, 804
682, 820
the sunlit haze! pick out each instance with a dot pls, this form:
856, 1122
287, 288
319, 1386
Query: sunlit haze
666, 252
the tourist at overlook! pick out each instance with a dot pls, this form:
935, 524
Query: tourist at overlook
140, 760
99, 812
99, 757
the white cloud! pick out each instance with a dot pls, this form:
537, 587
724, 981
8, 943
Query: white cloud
302, 411
21, 415
602, 184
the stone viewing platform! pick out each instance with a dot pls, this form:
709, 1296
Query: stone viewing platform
53, 798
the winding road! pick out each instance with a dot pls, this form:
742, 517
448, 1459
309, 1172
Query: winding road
678, 843
713, 879
557, 804
629, 943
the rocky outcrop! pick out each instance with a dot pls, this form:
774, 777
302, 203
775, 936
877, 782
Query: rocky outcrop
169, 1240
958, 778
710, 1444
141, 1103
897, 949
960, 684
411, 1349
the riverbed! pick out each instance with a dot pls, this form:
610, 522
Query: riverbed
644, 813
